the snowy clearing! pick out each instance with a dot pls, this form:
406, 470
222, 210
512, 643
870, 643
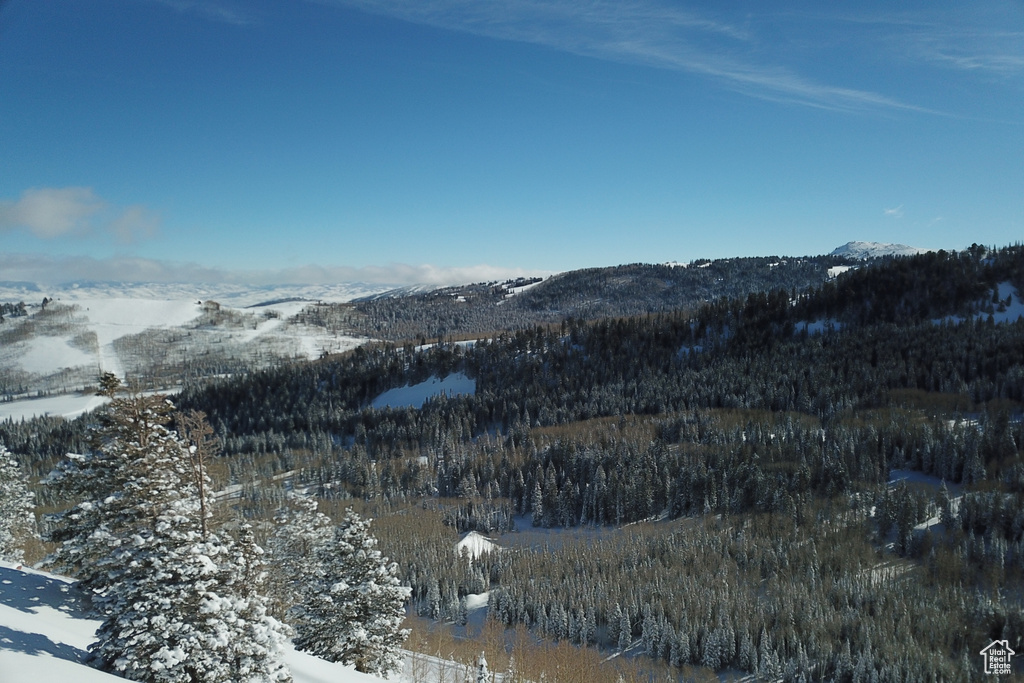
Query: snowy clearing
46, 355
836, 271
476, 544
1001, 312
914, 477
67, 406
414, 396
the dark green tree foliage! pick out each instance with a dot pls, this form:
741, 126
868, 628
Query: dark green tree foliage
733, 354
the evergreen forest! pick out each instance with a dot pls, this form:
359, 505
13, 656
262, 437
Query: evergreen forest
800, 478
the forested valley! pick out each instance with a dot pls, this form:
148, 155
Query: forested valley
813, 482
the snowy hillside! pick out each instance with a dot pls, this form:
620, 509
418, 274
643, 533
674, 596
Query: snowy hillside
44, 636
157, 332
866, 250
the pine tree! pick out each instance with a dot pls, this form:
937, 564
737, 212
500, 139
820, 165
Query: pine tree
625, 631
16, 503
351, 602
482, 672
299, 535
257, 639
537, 504
179, 604
101, 479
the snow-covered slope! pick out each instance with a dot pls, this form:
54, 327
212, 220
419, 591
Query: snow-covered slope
44, 636
476, 544
415, 396
68, 406
1008, 308
86, 329
866, 250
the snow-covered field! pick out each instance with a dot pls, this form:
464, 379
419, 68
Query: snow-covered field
819, 326
416, 395
234, 295
68, 406
132, 329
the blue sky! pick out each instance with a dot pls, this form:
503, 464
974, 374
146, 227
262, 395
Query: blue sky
433, 140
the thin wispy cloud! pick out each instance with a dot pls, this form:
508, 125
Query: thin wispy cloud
45, 269
996, 52
896, 212
975, 39
639, 32
214, 11
58, 212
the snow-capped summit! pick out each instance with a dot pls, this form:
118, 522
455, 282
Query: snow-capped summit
866, 250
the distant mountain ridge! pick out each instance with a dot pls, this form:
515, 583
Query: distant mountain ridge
159, 332
235, 295
867, 250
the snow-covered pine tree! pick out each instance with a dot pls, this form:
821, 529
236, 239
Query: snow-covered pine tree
255, 639
17, 521
184, 614
293, 549
100, 479
179, 604
352, 604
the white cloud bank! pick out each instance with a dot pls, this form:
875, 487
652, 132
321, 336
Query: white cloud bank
55, 212
49, 270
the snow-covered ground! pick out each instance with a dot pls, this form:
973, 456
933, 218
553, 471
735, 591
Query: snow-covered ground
414, 396
1014, 310
89, 329
476, 544
45, 636
67, 406
234, 295
1002, 312
915, 477
836, 271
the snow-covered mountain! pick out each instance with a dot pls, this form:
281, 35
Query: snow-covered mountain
133, 330
866, 250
